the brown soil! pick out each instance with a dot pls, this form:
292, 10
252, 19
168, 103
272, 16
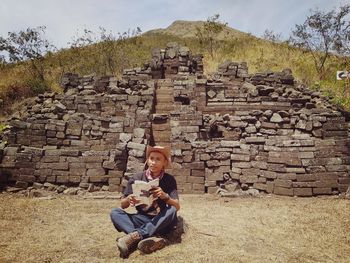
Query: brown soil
268, 229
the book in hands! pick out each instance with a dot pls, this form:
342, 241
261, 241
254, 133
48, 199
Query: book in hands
141, 191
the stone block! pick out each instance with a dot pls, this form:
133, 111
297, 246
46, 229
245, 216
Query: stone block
98, 179
115, 188
77, 171
329, 175
42, 172
306, 177
260, 186
50, 159
60, 173
23, 157
283, 191
269, 125
92, 159
327, 184
195, 180
251, 172
51, 179
230, 144
22, 184
62, 179
74, 179
198, 187
337, 168
240, 157
276, 167
335, 134
304, 184
76, 165
322, 191
205, 157
109, 165
283, 183
214, 176
287, 176
11, 150
194, 165
57, 166
198, 173
212, 189
115, 174
136, 146
303, 191
27, 178
293, 161
99, 172
270, 186
255, 140
27, 171
184, 187
248, 179
241, 165
344, 181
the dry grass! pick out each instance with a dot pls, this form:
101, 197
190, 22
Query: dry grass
269, 229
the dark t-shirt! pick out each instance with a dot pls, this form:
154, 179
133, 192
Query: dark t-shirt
168, 185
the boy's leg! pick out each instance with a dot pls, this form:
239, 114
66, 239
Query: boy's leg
158, 223
125, 222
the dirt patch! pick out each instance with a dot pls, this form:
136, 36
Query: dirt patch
269, 229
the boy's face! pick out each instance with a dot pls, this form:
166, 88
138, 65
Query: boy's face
156, 162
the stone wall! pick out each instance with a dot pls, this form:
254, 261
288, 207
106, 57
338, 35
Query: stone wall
261, 131
85, 135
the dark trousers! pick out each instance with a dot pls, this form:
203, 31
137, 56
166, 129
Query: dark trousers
147, 226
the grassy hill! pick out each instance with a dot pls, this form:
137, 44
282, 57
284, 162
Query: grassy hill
111, 58
187, 29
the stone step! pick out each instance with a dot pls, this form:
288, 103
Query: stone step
164, 107
165, 97
165, 83
160, 141
161, 136
164, 144
165, 88
161, 126
165, 92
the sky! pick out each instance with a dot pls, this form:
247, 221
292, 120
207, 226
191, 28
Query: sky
64, 19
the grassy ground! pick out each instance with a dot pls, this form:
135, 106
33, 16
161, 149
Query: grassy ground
269, 229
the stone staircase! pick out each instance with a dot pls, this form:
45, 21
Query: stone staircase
161, 118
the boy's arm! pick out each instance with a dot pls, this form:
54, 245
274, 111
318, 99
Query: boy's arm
129, 200
173, 202
158, 192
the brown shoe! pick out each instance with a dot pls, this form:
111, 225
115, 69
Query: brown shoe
151, 244
128, 243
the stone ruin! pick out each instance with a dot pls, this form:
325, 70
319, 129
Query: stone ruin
254, 131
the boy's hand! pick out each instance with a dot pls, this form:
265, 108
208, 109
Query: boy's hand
133, 200
158, 192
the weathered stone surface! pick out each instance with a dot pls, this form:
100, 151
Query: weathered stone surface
283, 191
276, 118
303, 191
261, 130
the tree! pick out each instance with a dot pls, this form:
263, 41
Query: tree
324, 33
270, 35
208, 33
28, 45
110, 50
82, 40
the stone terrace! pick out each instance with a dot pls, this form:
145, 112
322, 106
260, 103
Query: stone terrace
261, 131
